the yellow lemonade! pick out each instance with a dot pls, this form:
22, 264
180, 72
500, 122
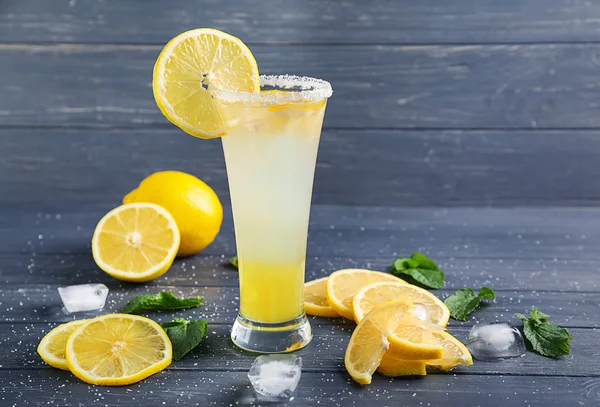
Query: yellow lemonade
270, 160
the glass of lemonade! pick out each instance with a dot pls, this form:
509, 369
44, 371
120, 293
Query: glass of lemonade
270, 153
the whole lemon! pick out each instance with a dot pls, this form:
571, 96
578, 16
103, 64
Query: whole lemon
194, 205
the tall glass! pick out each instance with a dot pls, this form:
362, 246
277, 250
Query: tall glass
270, 153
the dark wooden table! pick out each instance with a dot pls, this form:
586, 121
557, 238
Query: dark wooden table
469, 130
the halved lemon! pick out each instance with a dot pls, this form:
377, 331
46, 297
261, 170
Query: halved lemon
343, 284
136, 242
455, 353
118, 349
189, 66
379, 293
52, 346
369, 341
315, 299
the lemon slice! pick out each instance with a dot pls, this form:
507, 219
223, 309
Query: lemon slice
369, 341
343, 284
118, 349
379, 293
414, 340
186, 70
315, 299
393, 367
455, 353
52, 346
136, 242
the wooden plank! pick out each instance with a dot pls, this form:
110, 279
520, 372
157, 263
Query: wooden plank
41, 303
383, 21
360, 232
445, 168
213, 270
503, 86
324, 354
43, 387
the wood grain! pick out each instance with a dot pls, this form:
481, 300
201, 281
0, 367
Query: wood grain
41, 303
324, 354
214, 270
354, 167
359, 232
334, 389
254, 21
501, 86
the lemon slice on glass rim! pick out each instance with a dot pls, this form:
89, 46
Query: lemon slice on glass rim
189, 67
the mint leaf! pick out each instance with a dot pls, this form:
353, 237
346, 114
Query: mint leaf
465, 301
538, 315
233, 261
163, 301
184, 335
487, 293
543, 337
418, 270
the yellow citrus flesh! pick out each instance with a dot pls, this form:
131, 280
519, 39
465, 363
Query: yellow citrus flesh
52, 346
369, 341
393, 367
136, 242
315, 299
186, 70
194, 205
455, 353
413, 340
343, 284
379, 293
117, 350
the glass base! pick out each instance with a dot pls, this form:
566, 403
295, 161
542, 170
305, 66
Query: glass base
271, 338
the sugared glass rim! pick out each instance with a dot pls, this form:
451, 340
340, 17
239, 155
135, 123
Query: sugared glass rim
303, 89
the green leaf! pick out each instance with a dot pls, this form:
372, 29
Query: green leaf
538, 315
185, 335
233, 261
521, 316
402, 264
462, 303
163, 301
543, 337
424, 262
465, 301
418, 270
426, 278
487, 293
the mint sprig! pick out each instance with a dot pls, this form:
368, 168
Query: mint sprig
163, 301
418, 270
185, 335
465, 301
543, 337
233, 261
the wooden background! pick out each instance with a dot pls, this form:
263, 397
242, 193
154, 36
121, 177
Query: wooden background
467, 129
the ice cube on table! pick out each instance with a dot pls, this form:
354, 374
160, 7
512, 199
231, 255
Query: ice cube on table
83, 297
275, 377
495, 341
